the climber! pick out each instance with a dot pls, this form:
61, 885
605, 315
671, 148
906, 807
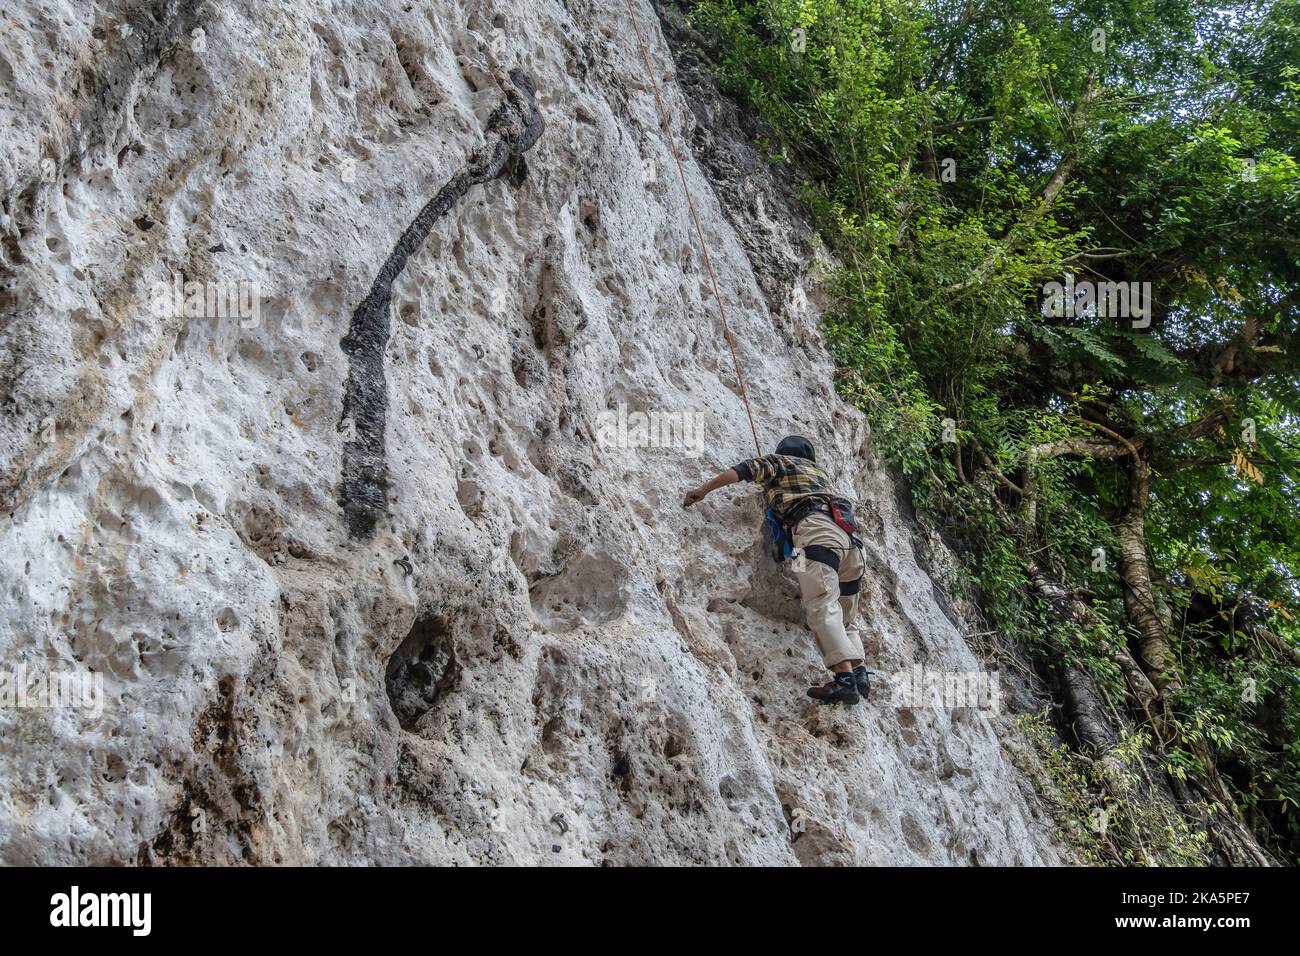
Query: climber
826, 554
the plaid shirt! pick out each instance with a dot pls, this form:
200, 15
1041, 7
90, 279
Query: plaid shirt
787, 481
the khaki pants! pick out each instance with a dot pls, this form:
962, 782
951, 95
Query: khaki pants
829, 614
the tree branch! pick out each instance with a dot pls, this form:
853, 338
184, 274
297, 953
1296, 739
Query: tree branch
1078, 446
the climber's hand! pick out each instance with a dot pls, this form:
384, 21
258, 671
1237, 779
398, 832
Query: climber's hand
694, 495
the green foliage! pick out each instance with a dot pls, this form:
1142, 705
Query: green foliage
959, 157
1103, 830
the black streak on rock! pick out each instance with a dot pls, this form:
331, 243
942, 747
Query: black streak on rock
512, 129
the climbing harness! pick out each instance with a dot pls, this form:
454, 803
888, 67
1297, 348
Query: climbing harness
782, 546
690, 204
838, 510
842, 515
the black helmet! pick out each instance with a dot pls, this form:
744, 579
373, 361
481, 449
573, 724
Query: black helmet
797, 446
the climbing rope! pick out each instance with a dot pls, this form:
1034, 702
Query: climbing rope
690, 204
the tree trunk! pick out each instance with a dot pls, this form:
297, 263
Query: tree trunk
1153, 649
1156, 654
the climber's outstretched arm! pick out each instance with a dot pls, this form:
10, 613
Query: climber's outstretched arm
728, 477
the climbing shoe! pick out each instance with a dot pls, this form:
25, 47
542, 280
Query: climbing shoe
862, 677
842, 690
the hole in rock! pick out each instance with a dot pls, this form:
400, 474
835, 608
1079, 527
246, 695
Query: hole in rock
592, 589
621, 770
422, 669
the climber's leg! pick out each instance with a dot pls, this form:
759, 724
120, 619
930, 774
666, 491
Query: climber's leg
820, 541
851, 569
819, 587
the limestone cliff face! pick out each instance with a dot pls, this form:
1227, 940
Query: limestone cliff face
366, 563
